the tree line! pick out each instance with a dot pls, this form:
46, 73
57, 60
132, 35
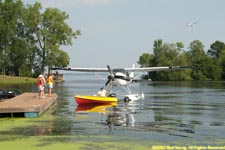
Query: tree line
31, 38
207, 64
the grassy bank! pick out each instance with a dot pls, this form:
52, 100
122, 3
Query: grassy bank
8, 80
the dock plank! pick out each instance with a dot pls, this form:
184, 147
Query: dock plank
27, 103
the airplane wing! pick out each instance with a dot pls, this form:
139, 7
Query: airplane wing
144, 69
151, 69
83, 69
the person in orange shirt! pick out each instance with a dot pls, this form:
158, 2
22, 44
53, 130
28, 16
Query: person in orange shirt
41, 85
50, 84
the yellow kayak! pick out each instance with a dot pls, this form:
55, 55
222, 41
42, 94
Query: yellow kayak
88, 99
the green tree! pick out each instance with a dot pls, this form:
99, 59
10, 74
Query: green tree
145, 59
217, 54
19, 57
31, 38
198, 58
48, 31
212, 70
170, 55
10, 22
216, 50
166, 55
51, 31
32, 17
59, 58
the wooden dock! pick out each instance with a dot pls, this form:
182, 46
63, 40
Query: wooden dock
27, 105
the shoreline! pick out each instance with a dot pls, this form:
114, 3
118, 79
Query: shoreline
11, 80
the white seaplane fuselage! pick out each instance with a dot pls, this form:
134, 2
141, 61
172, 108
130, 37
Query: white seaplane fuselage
124, 80
121, 79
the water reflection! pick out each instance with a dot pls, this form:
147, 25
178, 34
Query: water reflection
131, 116
121, 116
100, 108
115, 115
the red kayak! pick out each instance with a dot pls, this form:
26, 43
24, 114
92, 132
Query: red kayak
88, 99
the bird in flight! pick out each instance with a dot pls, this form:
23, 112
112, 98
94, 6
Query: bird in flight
191, 24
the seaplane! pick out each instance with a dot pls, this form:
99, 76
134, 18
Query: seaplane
123, 77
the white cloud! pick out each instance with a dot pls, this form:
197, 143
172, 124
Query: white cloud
95, 2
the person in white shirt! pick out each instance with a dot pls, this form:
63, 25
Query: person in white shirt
102, 92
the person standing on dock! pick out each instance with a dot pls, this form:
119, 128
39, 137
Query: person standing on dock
41, 85
50, 84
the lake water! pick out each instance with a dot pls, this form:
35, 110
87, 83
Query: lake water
181, 114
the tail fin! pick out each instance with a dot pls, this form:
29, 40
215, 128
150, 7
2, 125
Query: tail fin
132, 73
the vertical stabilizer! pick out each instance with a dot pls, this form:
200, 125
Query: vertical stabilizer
132, 73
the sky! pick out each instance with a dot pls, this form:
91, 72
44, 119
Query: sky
118, 32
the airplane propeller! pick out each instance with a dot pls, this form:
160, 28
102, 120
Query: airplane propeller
109, 69
110, 76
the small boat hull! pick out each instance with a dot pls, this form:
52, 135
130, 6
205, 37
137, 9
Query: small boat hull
88, 99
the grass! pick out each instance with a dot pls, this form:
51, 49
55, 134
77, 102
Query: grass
10, 80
